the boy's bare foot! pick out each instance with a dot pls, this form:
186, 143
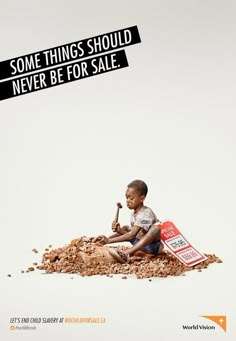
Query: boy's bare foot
120, 255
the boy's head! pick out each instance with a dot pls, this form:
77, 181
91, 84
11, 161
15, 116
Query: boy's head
135, 194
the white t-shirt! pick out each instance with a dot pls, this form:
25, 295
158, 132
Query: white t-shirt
144, 218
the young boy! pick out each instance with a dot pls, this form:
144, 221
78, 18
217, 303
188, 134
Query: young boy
144, 233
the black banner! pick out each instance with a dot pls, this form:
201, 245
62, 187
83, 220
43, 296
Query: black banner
67, 53
64, 74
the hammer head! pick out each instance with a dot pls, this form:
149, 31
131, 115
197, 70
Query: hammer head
119, 205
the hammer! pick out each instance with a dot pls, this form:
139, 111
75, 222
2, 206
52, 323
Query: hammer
117, 214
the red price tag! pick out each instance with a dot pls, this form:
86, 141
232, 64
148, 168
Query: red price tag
179, 246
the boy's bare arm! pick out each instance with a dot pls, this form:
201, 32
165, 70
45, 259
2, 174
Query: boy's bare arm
119, 230
125, 237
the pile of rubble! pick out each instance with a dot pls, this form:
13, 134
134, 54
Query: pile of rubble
89, 256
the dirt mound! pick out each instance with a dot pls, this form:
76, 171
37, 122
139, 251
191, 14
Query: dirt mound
88, 256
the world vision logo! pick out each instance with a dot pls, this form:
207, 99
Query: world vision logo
218, 319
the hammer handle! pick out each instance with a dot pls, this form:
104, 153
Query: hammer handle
117, 214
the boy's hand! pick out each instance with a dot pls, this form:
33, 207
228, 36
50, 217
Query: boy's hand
115, 226
101, 240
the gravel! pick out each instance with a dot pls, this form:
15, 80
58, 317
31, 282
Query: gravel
88, 257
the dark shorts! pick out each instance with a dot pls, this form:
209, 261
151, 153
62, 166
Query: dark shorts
151, 248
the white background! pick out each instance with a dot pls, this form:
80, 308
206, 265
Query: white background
67, 154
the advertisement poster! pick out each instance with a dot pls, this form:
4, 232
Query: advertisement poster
94, 96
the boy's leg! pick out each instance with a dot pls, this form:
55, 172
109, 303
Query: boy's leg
143, 254
153, 234
100, 254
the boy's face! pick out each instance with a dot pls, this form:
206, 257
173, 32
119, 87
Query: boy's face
133, 198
